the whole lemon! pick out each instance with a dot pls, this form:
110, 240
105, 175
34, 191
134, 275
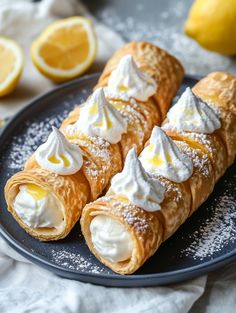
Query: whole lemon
212, 23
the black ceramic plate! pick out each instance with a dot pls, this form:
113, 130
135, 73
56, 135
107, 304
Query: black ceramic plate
205, 242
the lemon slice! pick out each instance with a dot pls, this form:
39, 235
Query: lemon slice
11, 65
66, 49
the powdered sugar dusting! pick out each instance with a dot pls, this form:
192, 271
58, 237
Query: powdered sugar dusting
173, 188
23, 146
75, 261
130, 214
35, 131
218, 230
140, 224
205, 140
202, 164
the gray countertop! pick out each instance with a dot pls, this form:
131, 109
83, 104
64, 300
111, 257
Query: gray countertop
161, 22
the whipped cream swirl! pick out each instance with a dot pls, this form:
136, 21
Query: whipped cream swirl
128, 80
37, 207
111, 239
163, 157
99, 118
191, 113
137, 185
59, 156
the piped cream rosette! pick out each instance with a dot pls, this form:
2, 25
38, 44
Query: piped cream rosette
209, 126
154, 195
46, 198
218, 89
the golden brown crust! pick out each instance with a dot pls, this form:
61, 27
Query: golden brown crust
227, 133
70, 119
141, 116
145, 229
202, 180
219, 88
101, 161
210, 144
72, 192
167, 72
175, 208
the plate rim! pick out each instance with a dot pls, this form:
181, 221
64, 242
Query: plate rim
133, 280
5, 234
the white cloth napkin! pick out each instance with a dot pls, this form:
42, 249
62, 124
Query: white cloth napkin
220, 292
24, 287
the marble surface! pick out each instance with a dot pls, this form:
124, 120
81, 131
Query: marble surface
160, 21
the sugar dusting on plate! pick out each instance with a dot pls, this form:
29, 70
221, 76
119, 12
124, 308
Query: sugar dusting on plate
217, 231
35, 131
23, 146
77, 262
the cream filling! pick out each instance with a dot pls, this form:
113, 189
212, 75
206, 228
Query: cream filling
110, 238
37, 207
99, 118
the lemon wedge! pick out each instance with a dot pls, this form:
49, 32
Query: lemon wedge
65, 49
11, 65
212, 24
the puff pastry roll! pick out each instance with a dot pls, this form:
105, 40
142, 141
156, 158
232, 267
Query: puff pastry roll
46, 197
155, 193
